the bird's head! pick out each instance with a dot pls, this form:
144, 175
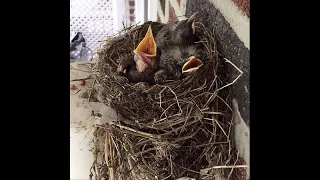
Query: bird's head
125, 62
191, 65
122, 66
186, 28
145, 53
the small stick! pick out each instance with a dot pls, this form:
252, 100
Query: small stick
89, 77
141, 152
241, 72
78, 69
113, 61
165, 111
225, 103
193, 170
214, 113
233, 165
208, 144
178, 128
175, 98
210, 99
226, 167
136, 131
218, 125
76, 92
109, 149
160, 96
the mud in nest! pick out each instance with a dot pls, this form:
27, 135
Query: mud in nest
180, 129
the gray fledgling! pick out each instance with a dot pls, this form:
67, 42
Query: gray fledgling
174, 58
177, 33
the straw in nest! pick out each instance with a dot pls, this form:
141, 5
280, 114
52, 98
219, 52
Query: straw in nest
179, 129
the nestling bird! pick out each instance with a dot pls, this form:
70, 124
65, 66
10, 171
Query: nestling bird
177, 33
145, 53
176, 60
177, 47
141, 66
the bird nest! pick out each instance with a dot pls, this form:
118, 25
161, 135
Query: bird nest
180, 129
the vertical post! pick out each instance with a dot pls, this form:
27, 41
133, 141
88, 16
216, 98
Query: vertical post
140, 10
152, 10
119, 14
146, 6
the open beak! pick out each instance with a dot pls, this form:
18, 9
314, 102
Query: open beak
146, 51
192, 21
192, 65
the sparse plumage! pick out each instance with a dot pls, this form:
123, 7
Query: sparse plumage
172, 60
177, 33
176, 45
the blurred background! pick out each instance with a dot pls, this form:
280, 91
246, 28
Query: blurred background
97, 19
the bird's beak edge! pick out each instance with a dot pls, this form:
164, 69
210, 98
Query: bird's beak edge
192, 65
192, 20
147, 46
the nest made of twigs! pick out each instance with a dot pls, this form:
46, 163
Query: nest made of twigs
180, 129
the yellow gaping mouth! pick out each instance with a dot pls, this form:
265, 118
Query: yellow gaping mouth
192, 65
147, 46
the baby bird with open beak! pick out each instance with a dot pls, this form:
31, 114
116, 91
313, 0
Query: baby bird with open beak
178, 60
179, 53
145, 53
141, 66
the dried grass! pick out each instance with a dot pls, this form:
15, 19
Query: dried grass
168, 131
